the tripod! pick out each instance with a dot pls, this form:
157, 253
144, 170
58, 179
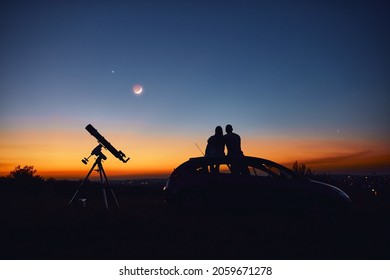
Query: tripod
105, 184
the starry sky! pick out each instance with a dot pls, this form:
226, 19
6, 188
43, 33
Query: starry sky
298, 80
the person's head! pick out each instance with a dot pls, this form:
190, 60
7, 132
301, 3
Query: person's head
218, 130
229, 128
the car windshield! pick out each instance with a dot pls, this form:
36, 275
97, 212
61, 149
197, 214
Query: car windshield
268, 170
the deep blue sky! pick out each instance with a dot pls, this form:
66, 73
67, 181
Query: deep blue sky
273, 69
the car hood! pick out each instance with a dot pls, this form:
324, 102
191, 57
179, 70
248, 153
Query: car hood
340, 192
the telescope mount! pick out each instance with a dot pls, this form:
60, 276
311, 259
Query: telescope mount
105, 184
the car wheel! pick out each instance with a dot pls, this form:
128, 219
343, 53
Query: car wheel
193, 202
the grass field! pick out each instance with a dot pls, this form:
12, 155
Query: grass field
39, 225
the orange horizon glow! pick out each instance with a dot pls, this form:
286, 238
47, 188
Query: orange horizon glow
362, 166
307, 85
57, 155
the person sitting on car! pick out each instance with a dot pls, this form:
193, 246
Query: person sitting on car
215, 147
232, 142
215, 144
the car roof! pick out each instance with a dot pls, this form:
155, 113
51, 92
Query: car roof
216, 159
203, 161
229, 159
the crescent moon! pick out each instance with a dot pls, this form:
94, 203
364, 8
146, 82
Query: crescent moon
137, 89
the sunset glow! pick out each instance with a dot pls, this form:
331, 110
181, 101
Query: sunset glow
58, 154
303, 83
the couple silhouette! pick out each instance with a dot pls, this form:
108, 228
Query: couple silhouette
217, 142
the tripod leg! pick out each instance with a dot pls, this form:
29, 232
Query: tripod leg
101, 170
81, 185
73, 197
113, 194
105, 198
109, 185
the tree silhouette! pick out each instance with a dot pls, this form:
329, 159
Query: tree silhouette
25, 175
302, 169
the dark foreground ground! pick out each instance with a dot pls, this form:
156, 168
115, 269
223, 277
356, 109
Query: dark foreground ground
38, 225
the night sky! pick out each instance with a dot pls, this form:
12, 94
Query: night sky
298, 80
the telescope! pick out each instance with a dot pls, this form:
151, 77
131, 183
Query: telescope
105, 144
97, 151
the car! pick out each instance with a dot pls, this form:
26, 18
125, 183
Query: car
244, 182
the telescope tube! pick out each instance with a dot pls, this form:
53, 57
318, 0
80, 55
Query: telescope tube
118, 154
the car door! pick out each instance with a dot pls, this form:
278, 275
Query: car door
260, 187
230, 182
272, 187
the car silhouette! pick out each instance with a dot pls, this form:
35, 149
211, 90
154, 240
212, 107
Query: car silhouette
248, 182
